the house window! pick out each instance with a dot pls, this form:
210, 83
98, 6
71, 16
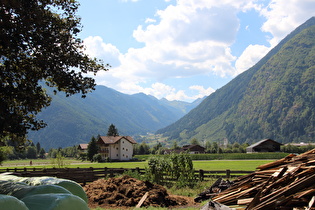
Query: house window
123, 148
123, 142
126, 149
123, 155
117, 155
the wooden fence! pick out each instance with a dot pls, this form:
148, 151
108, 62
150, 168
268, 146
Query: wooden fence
85, 175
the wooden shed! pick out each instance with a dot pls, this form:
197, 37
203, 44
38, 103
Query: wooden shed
266, 145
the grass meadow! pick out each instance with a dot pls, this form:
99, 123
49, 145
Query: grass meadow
208, 165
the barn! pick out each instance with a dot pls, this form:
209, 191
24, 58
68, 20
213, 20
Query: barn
266, 145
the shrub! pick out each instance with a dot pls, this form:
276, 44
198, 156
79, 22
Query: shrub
97, 158
177, 167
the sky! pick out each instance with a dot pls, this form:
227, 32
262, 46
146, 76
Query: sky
183, 49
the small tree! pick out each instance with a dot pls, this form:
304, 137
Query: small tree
92, 149
175, 145
194, 141
38, 147
42, 153
112, 130
31, 152
59, 161
178, 167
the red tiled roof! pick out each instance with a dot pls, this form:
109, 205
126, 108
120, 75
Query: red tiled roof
83, 146
114, 139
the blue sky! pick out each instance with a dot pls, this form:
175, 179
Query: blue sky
183, 49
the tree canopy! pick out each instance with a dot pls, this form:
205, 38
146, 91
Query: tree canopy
92, 149
39, 45
112, 130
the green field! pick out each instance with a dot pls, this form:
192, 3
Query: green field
237, 165
209, 165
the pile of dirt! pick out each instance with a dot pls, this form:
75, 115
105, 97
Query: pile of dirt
127, 192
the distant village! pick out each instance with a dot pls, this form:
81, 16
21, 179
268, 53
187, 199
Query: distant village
121, 148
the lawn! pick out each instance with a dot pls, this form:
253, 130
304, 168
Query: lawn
236, 165
208, 165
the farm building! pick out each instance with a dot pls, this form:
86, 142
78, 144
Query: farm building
193, 149
116, 147
266, 145
83, 148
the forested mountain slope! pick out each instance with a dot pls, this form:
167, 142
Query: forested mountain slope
273, 99
74, 120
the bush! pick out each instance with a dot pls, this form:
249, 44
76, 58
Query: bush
178, 167
97, 158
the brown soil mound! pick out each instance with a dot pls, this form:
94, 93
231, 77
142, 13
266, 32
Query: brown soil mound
127, 192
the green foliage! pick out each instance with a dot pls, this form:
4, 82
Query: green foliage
5, 151
42, 153
295, 149
273, 99
239, 156
38, 147
66, 152
228, 156
82, 156
157, 149
112, 130
141, 149
97, 158
177, 167
31, 152
135, 174
194, 141
92, 149
38, 45
59, 161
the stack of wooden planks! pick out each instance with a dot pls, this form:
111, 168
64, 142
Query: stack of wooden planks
288, 183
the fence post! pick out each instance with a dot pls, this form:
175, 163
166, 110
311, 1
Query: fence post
105, 172
228, 173
201, 175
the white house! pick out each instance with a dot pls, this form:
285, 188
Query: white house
116, 147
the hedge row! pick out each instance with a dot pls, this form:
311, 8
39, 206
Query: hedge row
229, 156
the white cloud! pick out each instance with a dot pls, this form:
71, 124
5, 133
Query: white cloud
129, 0
150, 20
190, 39
95, 47
193, 38
250, 56
284, 16
202, 91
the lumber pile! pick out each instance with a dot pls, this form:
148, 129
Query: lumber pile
217, 187
288, 183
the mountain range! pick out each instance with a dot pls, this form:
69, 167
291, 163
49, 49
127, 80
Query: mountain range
273, 99
74, 120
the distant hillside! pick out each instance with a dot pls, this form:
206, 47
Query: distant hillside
273, 99
73, 120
